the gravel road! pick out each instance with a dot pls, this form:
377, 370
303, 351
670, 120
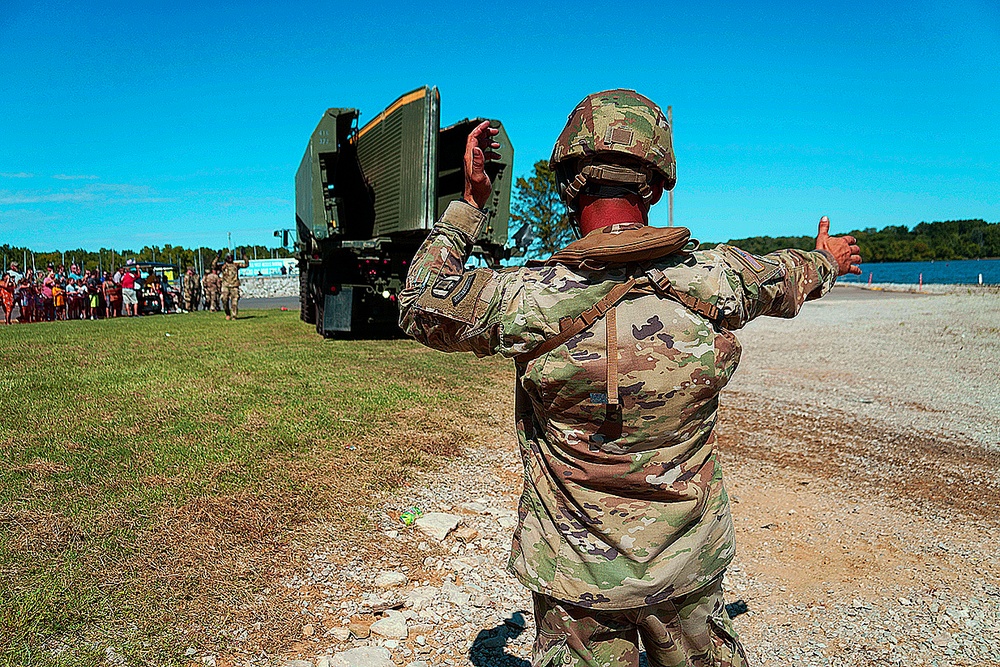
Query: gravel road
860, 443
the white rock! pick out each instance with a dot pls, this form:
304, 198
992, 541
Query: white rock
438, 524
389, 579
478, 508
366, 656
392, 626
507, 521
460, 564
341, 633
455, 595
297, 663
391, 644
420, 598
417, 663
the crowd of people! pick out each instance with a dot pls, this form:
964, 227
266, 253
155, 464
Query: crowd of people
59, 294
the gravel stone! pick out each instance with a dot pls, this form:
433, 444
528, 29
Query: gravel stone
366, 656
390, 579
392, 626
438, 524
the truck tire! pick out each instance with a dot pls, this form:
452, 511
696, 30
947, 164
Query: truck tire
318, 308
307, 310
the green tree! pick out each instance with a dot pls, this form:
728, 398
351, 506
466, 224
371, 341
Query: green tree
536, 202
946, 240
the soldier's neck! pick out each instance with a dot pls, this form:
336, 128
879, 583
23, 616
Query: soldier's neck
598, 213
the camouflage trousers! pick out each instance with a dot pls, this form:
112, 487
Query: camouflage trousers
231, 300
191, 301
690, 631
212, 300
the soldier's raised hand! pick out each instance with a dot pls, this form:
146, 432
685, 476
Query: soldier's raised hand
843, 248
478, 151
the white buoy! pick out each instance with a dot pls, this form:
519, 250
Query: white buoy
980, 279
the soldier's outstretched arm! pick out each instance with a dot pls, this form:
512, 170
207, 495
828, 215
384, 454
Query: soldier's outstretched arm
777, 284
447, 307
442, 304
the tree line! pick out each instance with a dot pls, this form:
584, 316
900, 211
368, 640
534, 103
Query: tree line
535, 202
928, 241
106, 259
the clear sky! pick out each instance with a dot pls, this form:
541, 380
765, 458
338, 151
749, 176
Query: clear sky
126, 124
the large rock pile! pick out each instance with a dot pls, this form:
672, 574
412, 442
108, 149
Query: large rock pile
264, 287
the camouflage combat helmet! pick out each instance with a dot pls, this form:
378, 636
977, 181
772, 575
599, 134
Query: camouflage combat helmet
618, 138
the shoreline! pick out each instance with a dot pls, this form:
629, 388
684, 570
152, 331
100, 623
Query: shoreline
927, 288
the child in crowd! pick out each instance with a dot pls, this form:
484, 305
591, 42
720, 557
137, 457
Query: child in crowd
58, 300
28, 297
94, 299
48, 310
72, 298
113, 295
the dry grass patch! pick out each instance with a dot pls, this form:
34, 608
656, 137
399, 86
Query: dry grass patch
189, 472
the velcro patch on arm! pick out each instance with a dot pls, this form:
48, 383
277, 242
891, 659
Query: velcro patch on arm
455, 296
754, 270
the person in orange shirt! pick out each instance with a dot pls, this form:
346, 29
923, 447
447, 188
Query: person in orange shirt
7, 296
59, 300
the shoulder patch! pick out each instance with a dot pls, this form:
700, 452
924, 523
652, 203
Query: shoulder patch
454, 297
754, 269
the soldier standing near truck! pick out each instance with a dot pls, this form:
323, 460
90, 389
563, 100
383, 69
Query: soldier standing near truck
230, 278
213, 288
622, 343
191, 290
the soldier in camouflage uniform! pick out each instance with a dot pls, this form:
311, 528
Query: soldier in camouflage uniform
213, 288
191, 290
230, 277
625, 529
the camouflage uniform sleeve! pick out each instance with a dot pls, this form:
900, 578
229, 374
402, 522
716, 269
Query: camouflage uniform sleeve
452, 309
776, 284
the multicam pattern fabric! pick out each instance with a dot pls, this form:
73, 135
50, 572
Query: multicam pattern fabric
616, 122
191, 291
623, 506
230, 274
213, 287
690, 631
231, 300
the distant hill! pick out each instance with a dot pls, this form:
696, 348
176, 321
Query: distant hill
951, 239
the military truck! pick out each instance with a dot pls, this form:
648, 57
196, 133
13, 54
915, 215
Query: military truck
365, 199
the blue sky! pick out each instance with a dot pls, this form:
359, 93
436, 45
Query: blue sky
126, 124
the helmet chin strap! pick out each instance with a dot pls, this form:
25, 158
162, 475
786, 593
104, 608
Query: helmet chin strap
611, 175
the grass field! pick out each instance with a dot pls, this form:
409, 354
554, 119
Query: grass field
156, 473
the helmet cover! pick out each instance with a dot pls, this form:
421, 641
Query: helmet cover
621, 129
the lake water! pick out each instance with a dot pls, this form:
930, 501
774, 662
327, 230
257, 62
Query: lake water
957, 272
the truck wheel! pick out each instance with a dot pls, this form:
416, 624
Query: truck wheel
306, 307
318, 309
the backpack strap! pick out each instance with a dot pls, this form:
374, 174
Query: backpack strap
571, 326
611, 335
665, 287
